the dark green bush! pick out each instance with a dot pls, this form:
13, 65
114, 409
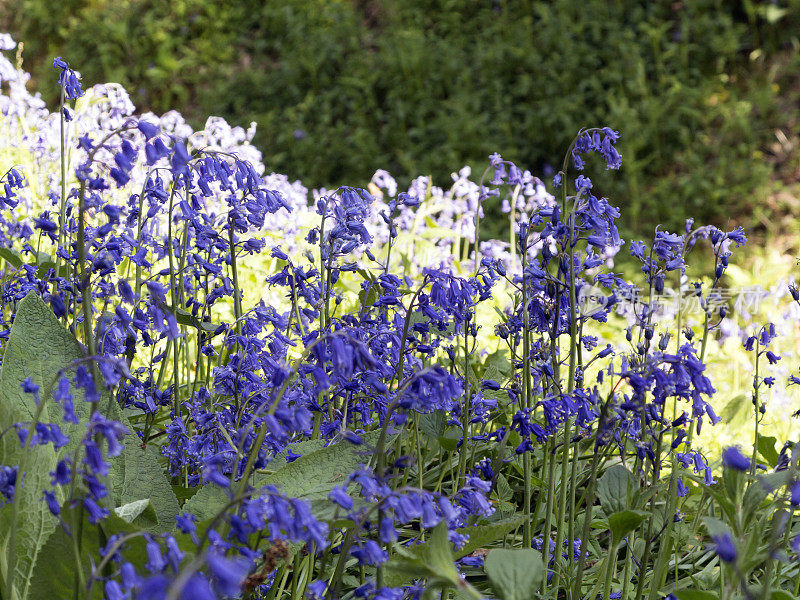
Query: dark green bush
341, 88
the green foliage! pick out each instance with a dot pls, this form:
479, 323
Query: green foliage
54, 573
484, 535
40, 348
311, 477
36, 350
615, 489
695, 595
432, 561
339, 89
515, 573
623, 522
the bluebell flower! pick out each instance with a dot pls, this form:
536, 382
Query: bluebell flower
8, 481
734, 459
148, 129
29, 387
316, 590
114, 591
68, 79
794, 492
370, 553
725, 547
339, 496
227, 573
94, 511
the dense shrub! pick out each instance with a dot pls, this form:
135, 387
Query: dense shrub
340, 89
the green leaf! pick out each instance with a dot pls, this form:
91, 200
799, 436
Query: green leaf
12, 257
623, 522
301, 448
143, 477
433, 561
414, 563
311, 477
137, 512
736, 411
497, 366
766, 448
184, 317
46, 263
772, 481
695, 595
449, 441
781, 595
184, 493
433, 424
752, 500
615, 489
440, 555
504, 491
715, 527
39, 347
715, 491
54, 574
481, 536
515, 574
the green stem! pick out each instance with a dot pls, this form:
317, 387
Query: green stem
755, 406
462, 459
527, 537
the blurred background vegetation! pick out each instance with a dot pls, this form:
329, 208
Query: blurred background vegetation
705, 92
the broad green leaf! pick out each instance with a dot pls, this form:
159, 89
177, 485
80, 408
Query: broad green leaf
143, 477
440, 555
515, 574
504, 491
54, 575
433, 561
183, 493
623, 522
12, 257
483, 535
314, 475
138, 511
715, 527
497, 368
781, 595
695, 595
301, 448
433, 424
449, 441
753, 497
737, 411
766, 448
311, 477
39, 347
615, 489
404, 567
772, 481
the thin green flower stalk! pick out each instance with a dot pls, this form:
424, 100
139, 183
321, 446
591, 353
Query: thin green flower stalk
62, 229
587, 519
527, 537
573, 351
756, 408
462, 460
